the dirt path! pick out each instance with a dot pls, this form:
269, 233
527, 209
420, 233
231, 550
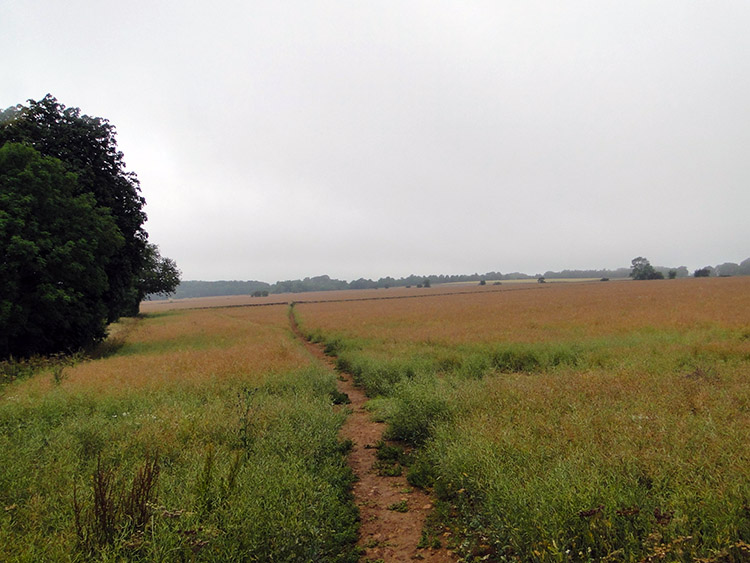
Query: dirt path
384, 534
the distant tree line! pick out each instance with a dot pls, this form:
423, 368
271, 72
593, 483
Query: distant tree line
641, 269
731, 269
195, 288
583, 274
192, 288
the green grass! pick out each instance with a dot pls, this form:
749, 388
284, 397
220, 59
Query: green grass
629, 447
241, 470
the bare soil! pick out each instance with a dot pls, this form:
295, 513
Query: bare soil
384, 534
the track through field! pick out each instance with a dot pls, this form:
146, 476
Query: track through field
384, 534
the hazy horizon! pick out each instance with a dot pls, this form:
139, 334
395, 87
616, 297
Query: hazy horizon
691, 270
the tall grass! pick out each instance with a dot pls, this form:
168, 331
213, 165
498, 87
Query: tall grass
572, 439
199, 450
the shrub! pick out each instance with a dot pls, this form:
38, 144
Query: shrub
417, 404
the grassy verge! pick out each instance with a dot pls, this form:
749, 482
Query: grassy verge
237, 461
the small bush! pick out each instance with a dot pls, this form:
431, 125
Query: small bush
527, 359
516, 359
417, 405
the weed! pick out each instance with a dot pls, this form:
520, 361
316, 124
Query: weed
417, 405
391, 459
115, 508
427, 541
422, 472
204, 493
400, 506
346, 446
390, 452
58, 373
388, 469
339, 398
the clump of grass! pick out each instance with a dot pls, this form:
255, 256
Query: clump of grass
416, 406
401, 506
339, 397
429, 541
530, 358
13, 369
391, 459
378, 377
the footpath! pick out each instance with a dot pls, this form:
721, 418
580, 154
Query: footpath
392, 512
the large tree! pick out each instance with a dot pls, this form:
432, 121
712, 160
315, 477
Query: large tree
160, 275
87, 147
73, 251
57, 245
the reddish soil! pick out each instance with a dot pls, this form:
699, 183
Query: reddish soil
384, 533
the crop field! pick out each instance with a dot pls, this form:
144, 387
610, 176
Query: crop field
198, 435
552, 422
566, 422
315, 296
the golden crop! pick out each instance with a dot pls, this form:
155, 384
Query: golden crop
187, 348
551, 312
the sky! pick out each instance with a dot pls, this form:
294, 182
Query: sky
283, 139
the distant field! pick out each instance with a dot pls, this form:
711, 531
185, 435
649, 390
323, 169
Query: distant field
567, 422
342, 295
534, 280
541, 312
203, 435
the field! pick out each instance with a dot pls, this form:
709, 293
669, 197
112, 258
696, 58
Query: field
315, 296
552, 422
202, 435
569, 422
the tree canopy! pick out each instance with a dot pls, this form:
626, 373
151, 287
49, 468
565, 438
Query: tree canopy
643, 270
57, 246
87, 146
75, 252
160, 275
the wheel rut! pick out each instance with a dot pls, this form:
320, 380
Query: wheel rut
385, 534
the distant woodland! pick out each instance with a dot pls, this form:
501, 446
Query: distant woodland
195, 288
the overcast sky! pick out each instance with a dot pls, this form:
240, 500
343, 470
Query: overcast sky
278, 140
